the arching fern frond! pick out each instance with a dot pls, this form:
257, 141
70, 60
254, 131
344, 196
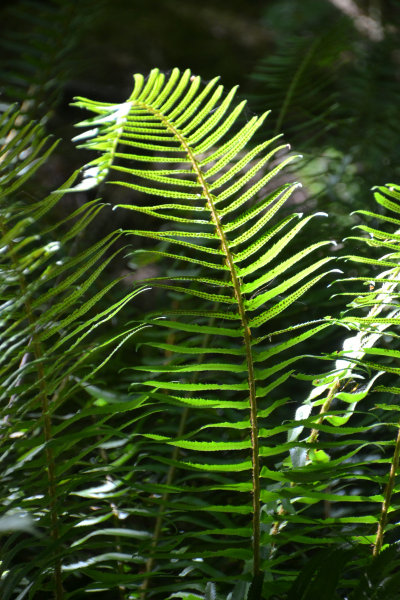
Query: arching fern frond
217, 200
343, 395
46, 320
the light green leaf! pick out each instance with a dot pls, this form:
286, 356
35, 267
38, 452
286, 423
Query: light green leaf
278, 308
194, 387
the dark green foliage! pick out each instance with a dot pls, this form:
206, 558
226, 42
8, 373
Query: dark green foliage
40, 55
297, 83
47, 326
141, 431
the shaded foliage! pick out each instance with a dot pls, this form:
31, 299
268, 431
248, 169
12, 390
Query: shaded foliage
129, 446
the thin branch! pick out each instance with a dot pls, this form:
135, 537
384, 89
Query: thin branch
18, 382
313, 438
293, 84
387, 498
175, 456
324, 409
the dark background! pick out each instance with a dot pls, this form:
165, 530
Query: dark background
344, 97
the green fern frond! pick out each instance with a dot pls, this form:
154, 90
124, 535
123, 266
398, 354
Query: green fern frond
343, 392
173, 121
46, 320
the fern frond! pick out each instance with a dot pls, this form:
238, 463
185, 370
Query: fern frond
296, 82
343, 392
45, 319
174, 122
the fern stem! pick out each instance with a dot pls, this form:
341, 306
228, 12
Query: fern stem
387, 498
50, 456
115, 517
18, 382
313, 438
249, 356
246, 330
165, 497
324, 409
250, 366
52, 490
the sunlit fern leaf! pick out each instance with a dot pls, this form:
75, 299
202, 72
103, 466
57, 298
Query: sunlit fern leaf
339, 398
195, 131
48, 317
382, 318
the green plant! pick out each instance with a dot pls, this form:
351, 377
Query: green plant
167, 115
270, 513
45, 319
296, 83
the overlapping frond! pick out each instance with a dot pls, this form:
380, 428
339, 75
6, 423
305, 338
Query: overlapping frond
296, 83
46, 338
336, 470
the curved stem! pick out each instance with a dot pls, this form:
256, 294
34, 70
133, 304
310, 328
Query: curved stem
324, 409
165, 498
115, 516
387, 498
313, 438
246, 330
293, 85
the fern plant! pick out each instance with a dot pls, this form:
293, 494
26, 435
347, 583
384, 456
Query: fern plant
200, 470
175, 125
345, 392
296, 84
46, 322
36, 63
382, 297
